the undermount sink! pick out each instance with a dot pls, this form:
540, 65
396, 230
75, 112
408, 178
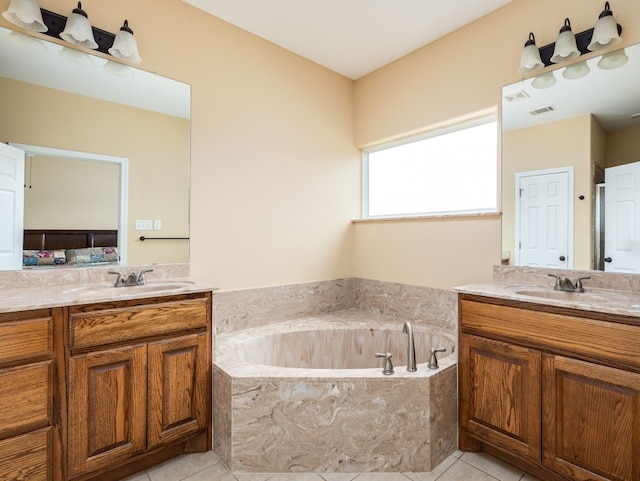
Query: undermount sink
151, 286
591, 296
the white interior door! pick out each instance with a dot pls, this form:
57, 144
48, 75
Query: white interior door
11, 206
544, 218
622, 218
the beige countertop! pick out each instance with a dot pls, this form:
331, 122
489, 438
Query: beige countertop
612, 301
28, 298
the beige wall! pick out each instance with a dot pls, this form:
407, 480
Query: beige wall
275, 174
70, 194
623, 147
540, 148
457, 75
156, 145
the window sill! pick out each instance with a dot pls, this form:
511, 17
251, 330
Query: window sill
427, 217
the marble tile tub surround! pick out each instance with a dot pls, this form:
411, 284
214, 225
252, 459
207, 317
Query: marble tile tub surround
235, 310
387, 424
66, 276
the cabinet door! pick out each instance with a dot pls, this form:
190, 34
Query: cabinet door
107, 407
591, 420
500, 394
179, 387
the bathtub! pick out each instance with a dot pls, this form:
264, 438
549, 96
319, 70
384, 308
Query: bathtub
309, 396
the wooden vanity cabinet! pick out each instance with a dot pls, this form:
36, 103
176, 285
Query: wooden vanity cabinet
139, 382
29, 408
554, 391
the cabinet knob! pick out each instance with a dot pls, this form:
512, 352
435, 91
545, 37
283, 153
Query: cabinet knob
562, 258
608, 259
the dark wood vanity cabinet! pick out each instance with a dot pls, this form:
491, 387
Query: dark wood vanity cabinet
554, 391
139, 382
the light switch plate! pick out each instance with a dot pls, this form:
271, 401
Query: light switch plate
143, 224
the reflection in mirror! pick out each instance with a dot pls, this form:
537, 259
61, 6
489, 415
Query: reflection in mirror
583, 120
60, 98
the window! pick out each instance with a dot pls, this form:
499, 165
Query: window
448, 171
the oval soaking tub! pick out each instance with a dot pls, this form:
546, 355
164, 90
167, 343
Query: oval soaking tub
309, 395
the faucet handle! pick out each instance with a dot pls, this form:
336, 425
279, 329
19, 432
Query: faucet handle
558, 279
433, 359
579, 287
119, 280
141, 279
388, 366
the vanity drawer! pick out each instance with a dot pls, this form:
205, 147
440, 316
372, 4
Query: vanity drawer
609, 342
107, 326
26, 456
25, 398
26, 339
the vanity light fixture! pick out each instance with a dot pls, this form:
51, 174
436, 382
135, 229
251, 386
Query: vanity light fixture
125, 46
544, 81
613, 60
605, 33
77, 30
566, 47
530, 59
25, 14
576, 71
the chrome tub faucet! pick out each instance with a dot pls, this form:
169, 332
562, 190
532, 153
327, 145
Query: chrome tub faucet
411, 347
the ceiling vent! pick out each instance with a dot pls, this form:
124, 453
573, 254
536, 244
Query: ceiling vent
543, 110
515, 96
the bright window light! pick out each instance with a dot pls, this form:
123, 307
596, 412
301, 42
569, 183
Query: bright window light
444, 172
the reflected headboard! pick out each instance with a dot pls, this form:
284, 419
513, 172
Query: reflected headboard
55, 239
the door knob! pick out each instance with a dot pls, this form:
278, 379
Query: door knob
562, 258
608, 259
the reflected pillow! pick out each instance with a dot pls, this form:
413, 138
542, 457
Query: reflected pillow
43, 258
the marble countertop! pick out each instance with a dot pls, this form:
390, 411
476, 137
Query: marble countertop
27, 298
612, 301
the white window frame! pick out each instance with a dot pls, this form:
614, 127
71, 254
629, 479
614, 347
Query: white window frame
453, 127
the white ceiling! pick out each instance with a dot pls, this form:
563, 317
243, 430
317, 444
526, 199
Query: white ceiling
351, 37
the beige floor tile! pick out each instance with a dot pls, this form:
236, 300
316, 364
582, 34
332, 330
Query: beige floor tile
253, 476
217, 472
464, 472
435, 472
184, 466
381, 477
296, 477
492, 466
528, 477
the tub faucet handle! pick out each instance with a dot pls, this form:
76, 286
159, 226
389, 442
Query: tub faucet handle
433, 359
388, 366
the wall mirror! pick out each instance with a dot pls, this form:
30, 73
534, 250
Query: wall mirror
570, 162
60, 98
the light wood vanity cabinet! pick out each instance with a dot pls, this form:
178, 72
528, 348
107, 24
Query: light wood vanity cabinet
554, 391
29, 411
139, 381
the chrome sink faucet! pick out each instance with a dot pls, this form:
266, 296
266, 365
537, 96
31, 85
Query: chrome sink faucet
567, 285
133, 279
411, 347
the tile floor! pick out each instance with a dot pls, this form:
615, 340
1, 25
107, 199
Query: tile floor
457, 467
